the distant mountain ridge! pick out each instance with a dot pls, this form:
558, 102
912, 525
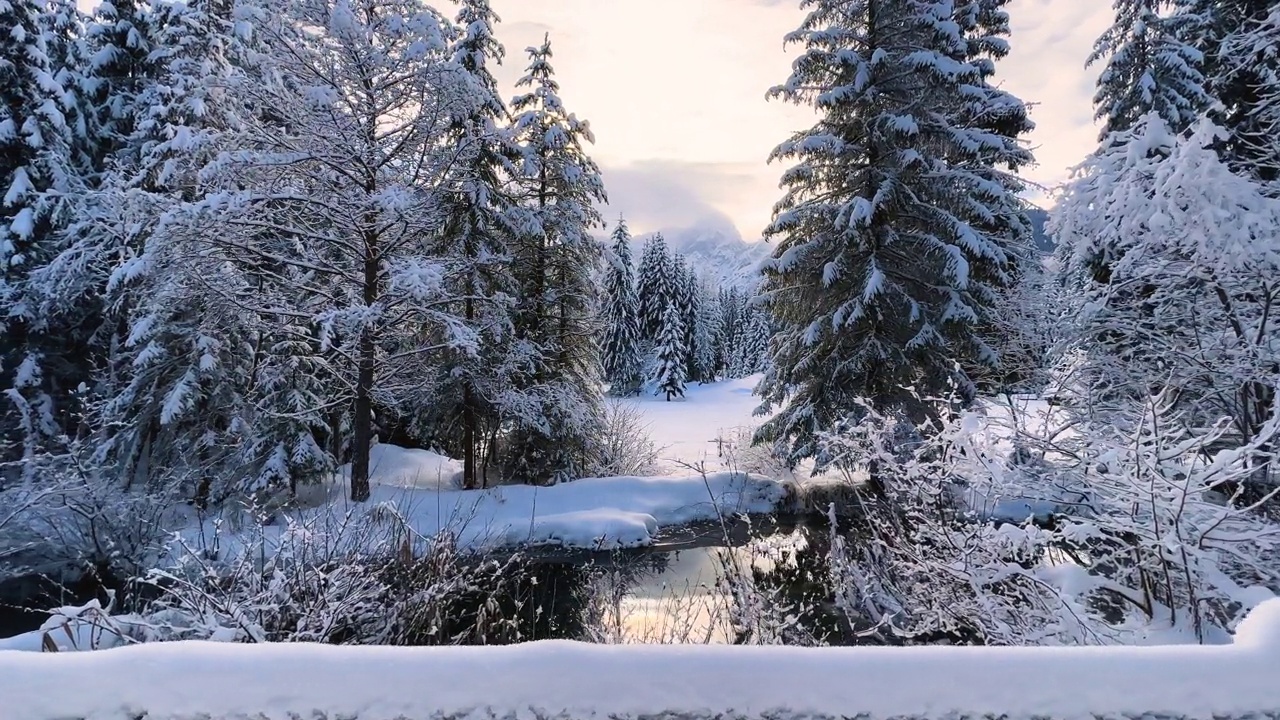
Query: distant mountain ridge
716, 254
721, 255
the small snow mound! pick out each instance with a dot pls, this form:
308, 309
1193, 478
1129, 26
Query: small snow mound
399, 467
1261, 628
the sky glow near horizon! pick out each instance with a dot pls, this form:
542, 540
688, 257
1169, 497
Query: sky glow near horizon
675, 93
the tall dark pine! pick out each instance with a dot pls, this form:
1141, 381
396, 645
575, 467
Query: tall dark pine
685, 298
654, 286
478, 225
33, 152
672, 355
887, 257
558, 256
1149, 67
120, 39
621, 346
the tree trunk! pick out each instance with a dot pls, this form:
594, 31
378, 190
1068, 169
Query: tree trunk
468, 440
362, 417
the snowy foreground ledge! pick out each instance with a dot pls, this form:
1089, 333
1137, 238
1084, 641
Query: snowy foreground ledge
573, 680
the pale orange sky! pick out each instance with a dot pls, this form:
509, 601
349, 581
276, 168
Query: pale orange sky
675, 92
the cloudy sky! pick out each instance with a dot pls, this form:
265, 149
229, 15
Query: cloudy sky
674, 90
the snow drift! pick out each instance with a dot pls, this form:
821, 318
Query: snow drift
565, 679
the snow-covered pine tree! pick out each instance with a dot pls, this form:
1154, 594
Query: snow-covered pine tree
756, 344
70, 55
880, 280
120, 39
999, 213
672, 355
33, 168
461, 410
558, 257
685, 298
1149, 67
330, 262
622, 366
1255, 50
196, 393
653, 286
1198, 239
1241, 67
707, 333
730, 331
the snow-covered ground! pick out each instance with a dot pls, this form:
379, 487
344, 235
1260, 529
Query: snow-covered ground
565, 679
702, 427
591, 513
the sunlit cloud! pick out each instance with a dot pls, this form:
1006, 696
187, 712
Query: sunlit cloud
680, 86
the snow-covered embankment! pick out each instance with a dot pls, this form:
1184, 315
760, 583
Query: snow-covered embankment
565, 679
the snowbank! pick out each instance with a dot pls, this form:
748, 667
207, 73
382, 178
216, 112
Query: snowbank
548, 679
592, 513
401, 467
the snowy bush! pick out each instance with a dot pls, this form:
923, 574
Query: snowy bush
69, 515
338, 579
1111, 536
625, 447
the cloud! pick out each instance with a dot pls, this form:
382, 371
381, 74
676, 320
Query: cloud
658, 194
677, 87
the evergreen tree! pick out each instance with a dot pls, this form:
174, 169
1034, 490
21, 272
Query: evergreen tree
654, 286
887, 263
668, 376
70, 55
557, 258
1238, 40
685, 297
707, 334
120, 38
463, 406
730, 330
1149, 68
33, 155
622, 366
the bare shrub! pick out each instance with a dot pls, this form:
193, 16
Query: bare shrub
625, 447
354, 578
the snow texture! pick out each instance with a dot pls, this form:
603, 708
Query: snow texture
566, 679
591, 513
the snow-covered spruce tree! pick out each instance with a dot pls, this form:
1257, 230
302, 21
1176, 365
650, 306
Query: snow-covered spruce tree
1195, 272
71, 56
557, 258
120, 38
684, 297
1241, 67
756, 343
707, 333
459, 413
33, 160
187, 383
730, 330
668, 374
64, 312
1257, 48
1149, 67
622, 367
321, 212
885, 266
653, 286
